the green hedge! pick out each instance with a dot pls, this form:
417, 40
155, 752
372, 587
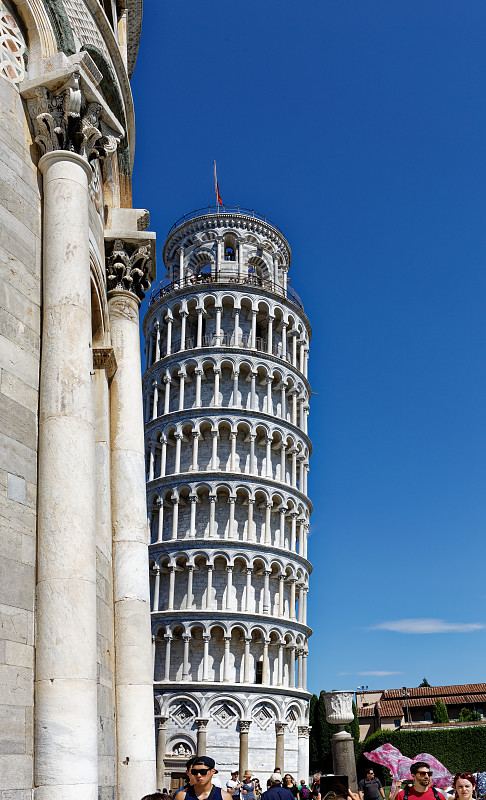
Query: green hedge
459, 749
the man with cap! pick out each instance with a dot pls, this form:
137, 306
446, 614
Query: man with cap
276, 790
201, 786
233, 786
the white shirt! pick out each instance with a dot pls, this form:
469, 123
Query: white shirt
233, 785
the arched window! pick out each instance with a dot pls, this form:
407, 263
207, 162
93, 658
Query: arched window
229, 247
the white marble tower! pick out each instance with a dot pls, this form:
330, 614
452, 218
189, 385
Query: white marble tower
226, 401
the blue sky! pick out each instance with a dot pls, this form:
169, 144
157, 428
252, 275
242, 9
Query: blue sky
360, 128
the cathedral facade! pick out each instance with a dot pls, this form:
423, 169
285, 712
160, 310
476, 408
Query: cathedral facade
226, 401
76, 697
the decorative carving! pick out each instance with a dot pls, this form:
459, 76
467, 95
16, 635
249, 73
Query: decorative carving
339, 707
291, 719
12, 47
182, 714
245, 725
303, 731
128, 268
280, 728
64, 121
104, 358
202, 724
263, 716
181, 750
224, 715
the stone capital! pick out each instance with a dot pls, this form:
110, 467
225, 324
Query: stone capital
69, 114
201, 723
245, 725
130, 265
303, 731
280, 728
162, 722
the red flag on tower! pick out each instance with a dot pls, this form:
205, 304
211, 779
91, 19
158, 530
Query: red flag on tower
216, 187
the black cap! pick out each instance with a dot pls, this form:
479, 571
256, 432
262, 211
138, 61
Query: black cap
206, 760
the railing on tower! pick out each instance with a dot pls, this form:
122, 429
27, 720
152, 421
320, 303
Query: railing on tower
248, 280
202, 212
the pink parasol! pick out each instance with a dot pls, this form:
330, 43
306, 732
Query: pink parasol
399, 766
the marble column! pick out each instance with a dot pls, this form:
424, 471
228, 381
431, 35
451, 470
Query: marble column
243, 759
206, 640
65, 677
280, 745
303, 751
129, 268
161, 747
186, 666
202, 725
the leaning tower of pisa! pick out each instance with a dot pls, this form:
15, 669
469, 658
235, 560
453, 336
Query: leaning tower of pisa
226, 403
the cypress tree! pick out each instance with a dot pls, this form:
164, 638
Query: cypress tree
354, 727
439, 712
313, 748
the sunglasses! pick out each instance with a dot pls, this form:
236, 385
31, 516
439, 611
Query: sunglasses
199, 771
425, 772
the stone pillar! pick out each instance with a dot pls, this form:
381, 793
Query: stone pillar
229, 587
192, 528
249, 530
199, 374
253, 328
206, 640
65, 678
175, 516
161, 747
202, 725
270, 335
129, 268
195, 449
243, 760
156, 588
343, 758
226, 657
233, 436
235, 398
199, 328
184, 316
190, 572
248, 588
209, 590
168, 640
246, 662
160, 521
186, 667
172, 571
212, 515
280, 745
231, 522
303, 752
236, 333
266, 666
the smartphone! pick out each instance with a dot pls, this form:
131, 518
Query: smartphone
334, 783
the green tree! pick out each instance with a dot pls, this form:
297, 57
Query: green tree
324, 733
354, 727
439, 712
313, 746
424, 684
468, 715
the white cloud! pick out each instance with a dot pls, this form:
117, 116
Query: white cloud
428, 626
380, 673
